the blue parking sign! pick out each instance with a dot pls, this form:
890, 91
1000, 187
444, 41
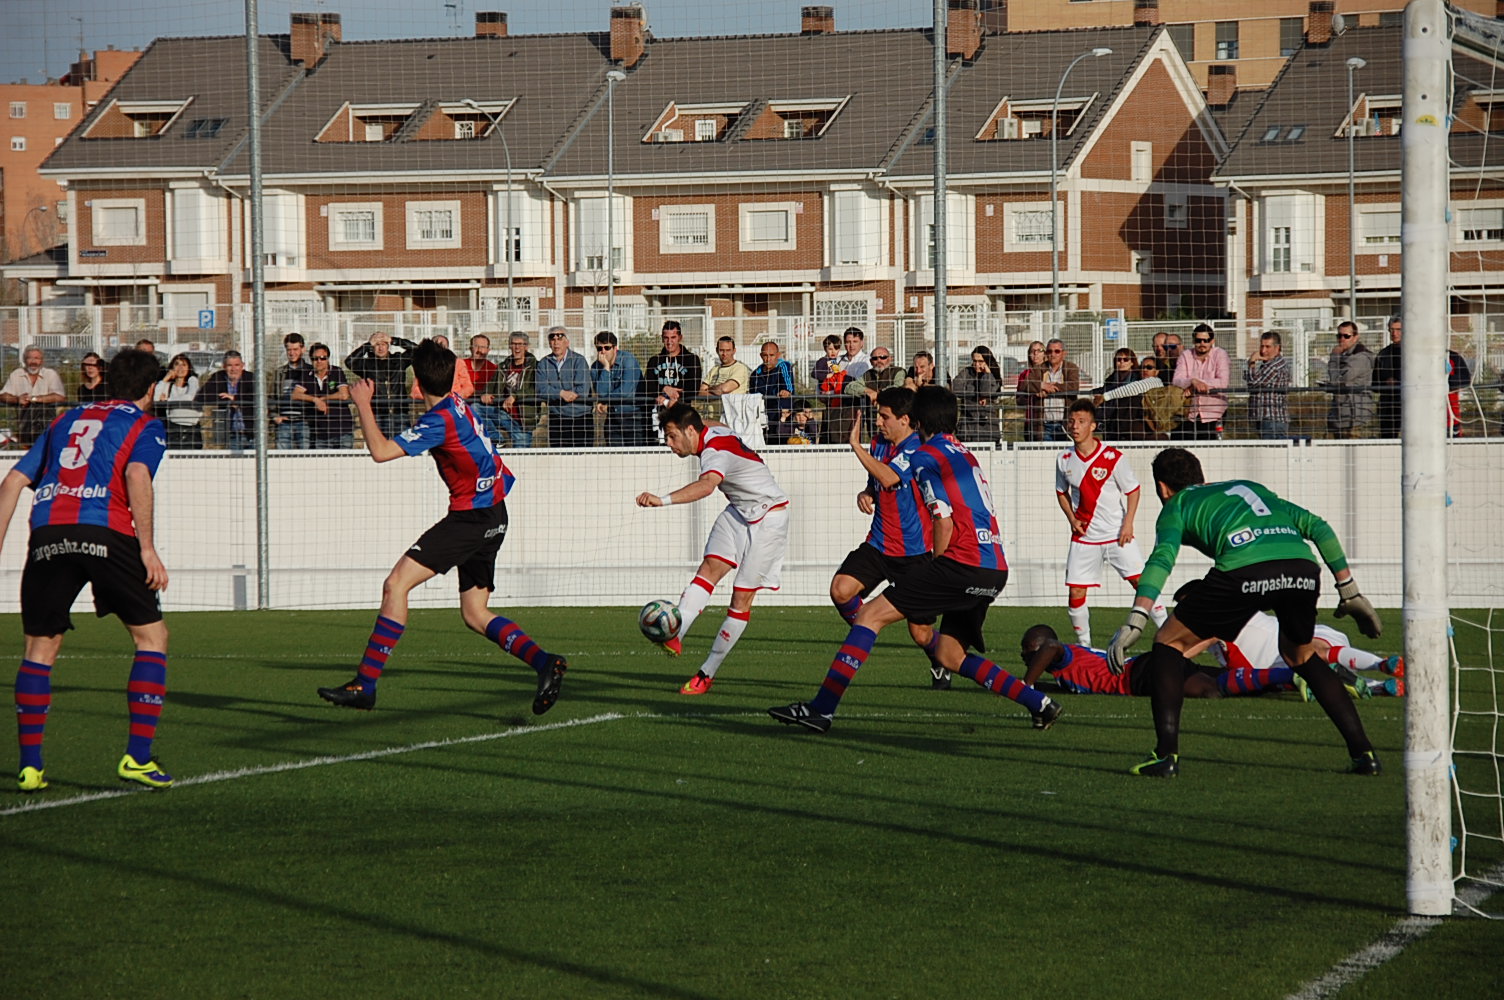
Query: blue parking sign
1114, 330
206, 319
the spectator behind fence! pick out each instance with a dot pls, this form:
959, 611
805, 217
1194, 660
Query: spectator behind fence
326, 389
1459, 377
841, 410
35, 390
727, 376
1029, 400
617, 377
977, 388
177, 404
1122, 418
231, 392
464, 386
1207, 372
144, 344
826, 375
515, 392
1386, 382
1157, 345
1158, 403
1268, 381
290, 420
774, 381
1349, 378
92, 387
674, 373
921, 371
384, 359
883, 374
564, 384
1054, 383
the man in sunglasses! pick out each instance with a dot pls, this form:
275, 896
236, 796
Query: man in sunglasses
1205, 374
1349, 375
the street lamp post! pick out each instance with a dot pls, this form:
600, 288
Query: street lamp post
506, 150
1355, 63
36, 227
1095, 53
613, 77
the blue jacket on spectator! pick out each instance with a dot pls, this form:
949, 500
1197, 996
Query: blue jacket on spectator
572, 374
770, 384
621, 384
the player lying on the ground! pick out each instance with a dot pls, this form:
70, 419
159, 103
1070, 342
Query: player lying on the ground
902, 535
1257, 646
1261, 559
958, 585
750, 535
91, 522
467, 538
1099, 494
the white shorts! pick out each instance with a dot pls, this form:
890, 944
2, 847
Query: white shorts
755, 551
1083, 563
1258, 644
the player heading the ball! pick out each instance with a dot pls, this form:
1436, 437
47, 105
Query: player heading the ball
468, 537
750, 536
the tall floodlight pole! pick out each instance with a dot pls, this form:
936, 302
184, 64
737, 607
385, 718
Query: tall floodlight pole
258, 309
1355, 63
613, 77
1424, 256
1096, 53
506, 151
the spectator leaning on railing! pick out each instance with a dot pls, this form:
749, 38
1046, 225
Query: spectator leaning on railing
977, 388
35, 390
1349, 378
1207, 372
564, 384
1268, 381
617, 376
231, 392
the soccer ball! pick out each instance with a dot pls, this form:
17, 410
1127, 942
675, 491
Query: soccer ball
659, 621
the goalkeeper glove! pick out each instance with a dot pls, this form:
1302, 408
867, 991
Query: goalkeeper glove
1350, 602
1124, 637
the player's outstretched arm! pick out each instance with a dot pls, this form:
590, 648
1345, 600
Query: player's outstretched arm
138, 492
688, 493
881, 472
1043, 659
10, 495
382, 448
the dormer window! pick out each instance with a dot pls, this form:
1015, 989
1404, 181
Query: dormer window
135, 119
366, 123
695, 122
1012, 119
464, 121
1282, 133
1371, 116
796, 120
204, 128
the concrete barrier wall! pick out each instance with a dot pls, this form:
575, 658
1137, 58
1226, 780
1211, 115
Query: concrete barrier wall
339, 521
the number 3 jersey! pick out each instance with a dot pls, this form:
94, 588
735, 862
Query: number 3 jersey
77, 468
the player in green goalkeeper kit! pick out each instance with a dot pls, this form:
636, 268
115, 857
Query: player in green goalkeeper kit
1262, 561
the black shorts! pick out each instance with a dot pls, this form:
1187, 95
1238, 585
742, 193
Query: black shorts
62, 558
957, 594
1141, 678
468, 539
1220, 604
869, 567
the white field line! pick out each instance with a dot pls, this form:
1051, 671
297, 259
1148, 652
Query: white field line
1405, 932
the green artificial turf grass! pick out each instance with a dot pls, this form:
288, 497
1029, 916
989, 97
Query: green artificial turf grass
688, 847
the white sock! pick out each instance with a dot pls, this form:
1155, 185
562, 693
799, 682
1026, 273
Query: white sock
731, 630
1357, 659
1081, 622
1158, 613
692, 602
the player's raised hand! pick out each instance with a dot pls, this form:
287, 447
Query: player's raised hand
361, 391
855, 437
1124, 638
1351, 602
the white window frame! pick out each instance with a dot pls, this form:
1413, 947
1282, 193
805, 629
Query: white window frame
856, 230
1177, 210
590, 226
1378, 230
18, 144
666, 241
706, 130
97, 209
62, 111
415, 238
1018, 237
791, 211
1472, 219
18, 109
1141, 162
1288, 233
338, 210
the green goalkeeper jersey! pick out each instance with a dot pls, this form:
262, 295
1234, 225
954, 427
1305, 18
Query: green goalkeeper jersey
1237, 523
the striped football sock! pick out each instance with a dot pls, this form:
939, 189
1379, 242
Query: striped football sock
144, 695
33, 699
853, 653
384, 636
1247, 680
848, 609
510, 637
997, 680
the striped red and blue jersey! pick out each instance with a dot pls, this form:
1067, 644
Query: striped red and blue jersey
476, 476
901, 525
1084, 670
77, 468
953, 486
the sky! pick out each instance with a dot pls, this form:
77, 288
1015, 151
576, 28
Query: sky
40, 38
